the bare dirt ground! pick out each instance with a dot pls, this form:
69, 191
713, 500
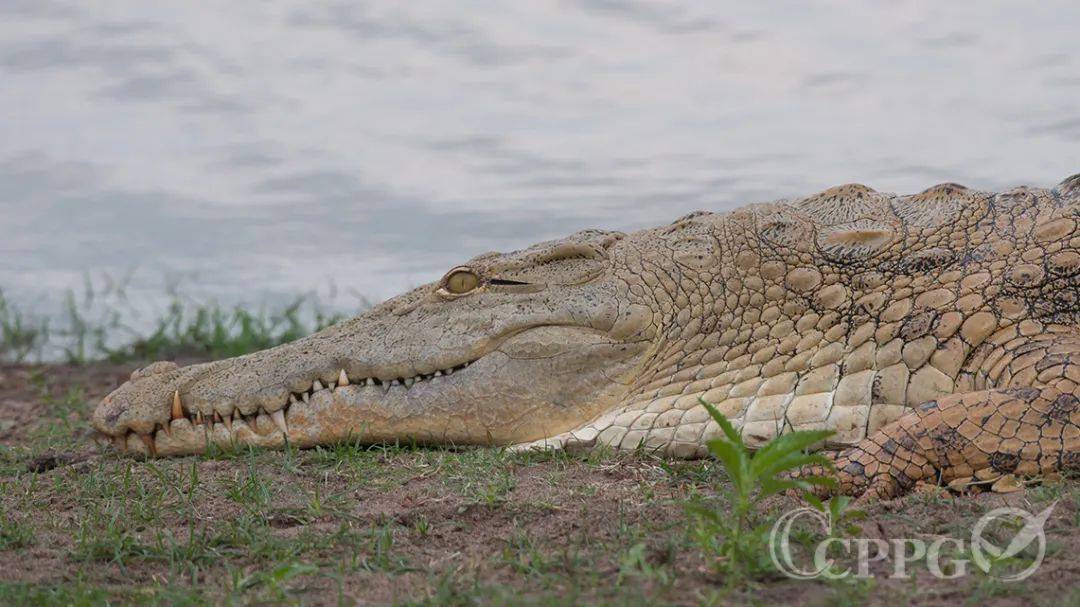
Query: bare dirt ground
354, 524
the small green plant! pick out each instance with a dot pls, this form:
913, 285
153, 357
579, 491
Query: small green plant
737, 536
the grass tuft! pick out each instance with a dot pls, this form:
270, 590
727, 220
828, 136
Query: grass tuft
90, 327
21, 336
210, 331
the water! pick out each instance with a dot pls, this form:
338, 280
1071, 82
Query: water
254, 150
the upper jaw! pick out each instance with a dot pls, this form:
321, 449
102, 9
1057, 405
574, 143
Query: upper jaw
227, 390
359, 351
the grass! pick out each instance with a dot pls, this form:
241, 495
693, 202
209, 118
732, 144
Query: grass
273, 527
90, 327
14, 533
134, 517
210, 331
21, 336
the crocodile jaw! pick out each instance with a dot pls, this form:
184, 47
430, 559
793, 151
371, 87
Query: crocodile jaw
575, 375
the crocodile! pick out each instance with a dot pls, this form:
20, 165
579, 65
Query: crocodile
932, 333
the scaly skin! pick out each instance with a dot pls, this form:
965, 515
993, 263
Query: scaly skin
1027, 428
933, 333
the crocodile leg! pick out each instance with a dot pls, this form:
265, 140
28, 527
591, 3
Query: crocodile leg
1029, 426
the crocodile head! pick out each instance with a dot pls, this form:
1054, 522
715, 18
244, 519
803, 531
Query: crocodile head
504, 349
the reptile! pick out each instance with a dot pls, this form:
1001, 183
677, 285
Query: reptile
933, 333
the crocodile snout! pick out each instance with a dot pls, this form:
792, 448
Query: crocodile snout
139, 406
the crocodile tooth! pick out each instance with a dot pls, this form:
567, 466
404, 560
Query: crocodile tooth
228, 422
198, 418
438, 374
292, 399
369, 382
395, 382
409, 382
305, 396
330, 386
279, 420
166, 429
342, 378
316, 386
177, 407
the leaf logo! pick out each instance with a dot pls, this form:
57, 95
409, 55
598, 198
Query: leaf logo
985, 554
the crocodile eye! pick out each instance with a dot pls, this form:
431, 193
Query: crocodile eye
461, 281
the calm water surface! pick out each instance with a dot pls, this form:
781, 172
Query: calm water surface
252, 150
